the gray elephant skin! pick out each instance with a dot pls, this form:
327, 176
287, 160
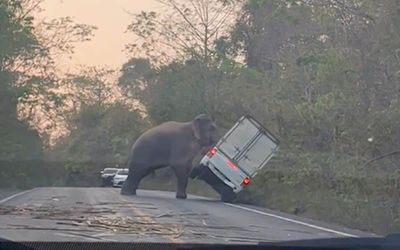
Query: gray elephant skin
172, 144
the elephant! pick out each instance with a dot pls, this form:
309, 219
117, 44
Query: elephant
172, 144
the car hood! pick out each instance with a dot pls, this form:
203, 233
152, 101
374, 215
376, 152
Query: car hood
389, 242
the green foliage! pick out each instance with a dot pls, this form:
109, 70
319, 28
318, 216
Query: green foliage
27, 79
101, 136
172, 92
20, 145
333, 108
16, 33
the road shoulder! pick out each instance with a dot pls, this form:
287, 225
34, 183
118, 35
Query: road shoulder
9, 194
307, 222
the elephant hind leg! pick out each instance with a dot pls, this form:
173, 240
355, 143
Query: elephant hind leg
134, 177
127, 187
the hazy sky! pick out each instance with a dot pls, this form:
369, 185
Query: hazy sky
111, 19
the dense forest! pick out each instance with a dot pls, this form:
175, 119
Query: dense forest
323, 76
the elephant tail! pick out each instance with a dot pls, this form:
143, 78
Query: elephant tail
129, 163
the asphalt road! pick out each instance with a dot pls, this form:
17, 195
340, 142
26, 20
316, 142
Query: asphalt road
102, 214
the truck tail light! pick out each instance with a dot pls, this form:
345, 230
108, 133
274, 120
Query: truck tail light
212, 152
246, 181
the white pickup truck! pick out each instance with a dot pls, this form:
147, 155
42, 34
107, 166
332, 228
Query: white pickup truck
230, 165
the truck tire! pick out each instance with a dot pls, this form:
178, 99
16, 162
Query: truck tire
227, 195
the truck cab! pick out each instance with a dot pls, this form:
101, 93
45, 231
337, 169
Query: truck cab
238, 156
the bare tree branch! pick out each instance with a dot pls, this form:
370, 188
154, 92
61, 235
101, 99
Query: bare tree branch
185, 18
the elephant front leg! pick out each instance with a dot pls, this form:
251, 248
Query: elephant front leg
182, 180
181, 188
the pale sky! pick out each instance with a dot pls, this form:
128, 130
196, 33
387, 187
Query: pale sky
111, 20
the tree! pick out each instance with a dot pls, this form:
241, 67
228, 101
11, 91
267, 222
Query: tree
99, 137
93, 86
166, 92
27, 76
20, 145
101, 125
183, 29
37, 77
326, 90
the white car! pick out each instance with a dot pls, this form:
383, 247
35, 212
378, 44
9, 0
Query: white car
120, 177
107, 176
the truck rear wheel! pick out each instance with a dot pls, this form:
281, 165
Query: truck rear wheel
227, 195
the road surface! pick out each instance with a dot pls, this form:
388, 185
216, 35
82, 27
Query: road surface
102, 214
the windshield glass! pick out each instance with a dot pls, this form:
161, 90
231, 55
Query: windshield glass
122, 172
110, 171
90, 88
